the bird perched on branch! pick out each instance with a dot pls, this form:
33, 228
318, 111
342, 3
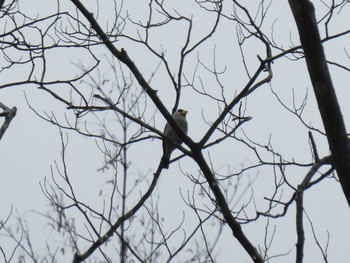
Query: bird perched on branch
168, 145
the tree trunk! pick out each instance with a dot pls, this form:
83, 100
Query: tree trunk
304, 15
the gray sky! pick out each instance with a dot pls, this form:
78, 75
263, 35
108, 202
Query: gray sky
31, 146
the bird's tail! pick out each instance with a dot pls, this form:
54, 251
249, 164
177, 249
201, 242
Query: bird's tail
165, 162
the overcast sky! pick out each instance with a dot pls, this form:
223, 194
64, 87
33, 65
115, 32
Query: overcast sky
31, 146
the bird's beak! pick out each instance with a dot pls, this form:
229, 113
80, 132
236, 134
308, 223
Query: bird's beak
184, 112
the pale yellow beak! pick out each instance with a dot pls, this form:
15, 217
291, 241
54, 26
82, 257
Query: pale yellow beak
184, 112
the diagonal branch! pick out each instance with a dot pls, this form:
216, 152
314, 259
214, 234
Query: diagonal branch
9, 114
250, 86
225, 209
112, 230
124, 58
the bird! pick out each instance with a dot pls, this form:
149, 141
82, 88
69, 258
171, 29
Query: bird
168, 143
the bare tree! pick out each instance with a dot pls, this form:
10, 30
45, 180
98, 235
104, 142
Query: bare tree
218, 57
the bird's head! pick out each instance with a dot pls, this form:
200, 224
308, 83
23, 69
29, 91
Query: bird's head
182, 112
